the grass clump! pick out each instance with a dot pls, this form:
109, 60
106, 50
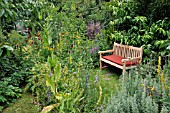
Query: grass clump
23, 105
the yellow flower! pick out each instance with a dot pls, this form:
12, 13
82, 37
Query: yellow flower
162, 78
65, 70
78, 42
165, 86
30, 41
67, 94
152, 89
58, 45
78, 36
66, 33
70, 59
143, 85
51, 49
159, 66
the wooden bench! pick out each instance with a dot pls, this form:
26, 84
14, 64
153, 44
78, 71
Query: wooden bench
123, 57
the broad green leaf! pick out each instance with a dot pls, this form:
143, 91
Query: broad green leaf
57, 72
78, 97
39, 15
12, 5
135, 27
49, 40
7, 47
9, 12
168, 47
0, 51
168, 34
49, 60
51, 84
45, 40
166, 100
2, 99
164, 32
14, 13
49, 108
1, 12
128, 17
163, 53
59, 96
57, 8
2, 4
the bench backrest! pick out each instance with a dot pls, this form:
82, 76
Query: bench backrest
127, 51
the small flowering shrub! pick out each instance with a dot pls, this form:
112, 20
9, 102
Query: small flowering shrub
63, 87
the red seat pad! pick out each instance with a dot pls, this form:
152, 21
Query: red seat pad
118, 60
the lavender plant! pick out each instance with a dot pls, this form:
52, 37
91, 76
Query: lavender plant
142, 94
131, 98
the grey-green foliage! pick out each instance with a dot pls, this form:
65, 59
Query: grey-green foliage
123, 103
164, 110
132, 98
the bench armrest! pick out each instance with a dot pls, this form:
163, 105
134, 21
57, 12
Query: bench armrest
106, 51
131, 59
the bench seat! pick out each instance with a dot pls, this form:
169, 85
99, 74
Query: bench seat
118, 60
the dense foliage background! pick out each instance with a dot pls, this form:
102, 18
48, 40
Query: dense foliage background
47, 47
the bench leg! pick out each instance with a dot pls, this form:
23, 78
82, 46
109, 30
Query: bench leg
124, 71
100, 65
124, 68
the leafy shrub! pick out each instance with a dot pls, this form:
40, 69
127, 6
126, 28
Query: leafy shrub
132, 29
14, 69
8, 93
14, 76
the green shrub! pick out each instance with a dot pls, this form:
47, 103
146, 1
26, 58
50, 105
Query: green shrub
128, 27
8, 93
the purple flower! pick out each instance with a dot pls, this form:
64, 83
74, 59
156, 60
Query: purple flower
101, 107
50, 74
92, 51
49, 96
96, 78
87, 79
93, 29
26, 69
96, 48
74, 73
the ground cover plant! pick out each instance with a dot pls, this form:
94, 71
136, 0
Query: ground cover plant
19, 107
49, 48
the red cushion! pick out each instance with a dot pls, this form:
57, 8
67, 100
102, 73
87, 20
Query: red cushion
118, 60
